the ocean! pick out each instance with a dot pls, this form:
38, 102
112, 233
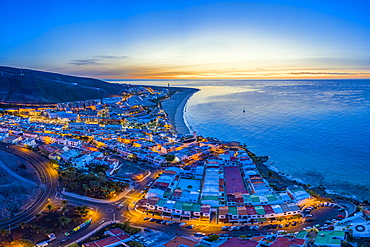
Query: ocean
317, 131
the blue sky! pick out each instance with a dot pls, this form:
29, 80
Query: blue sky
189, 39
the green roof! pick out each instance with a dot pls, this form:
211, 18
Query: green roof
233, 211
255, 198
326, 237
338, 234
301, 234
178, 205
247, 198
272, 197
161, 202
196, 207
260, 210
187, 206
261, 219
215, 198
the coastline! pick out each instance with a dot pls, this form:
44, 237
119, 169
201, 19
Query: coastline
174, 108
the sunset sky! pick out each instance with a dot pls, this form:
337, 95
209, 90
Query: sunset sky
112, 39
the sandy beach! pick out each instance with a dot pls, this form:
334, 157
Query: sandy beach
174, 107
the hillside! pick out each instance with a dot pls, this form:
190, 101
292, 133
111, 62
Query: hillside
30, 86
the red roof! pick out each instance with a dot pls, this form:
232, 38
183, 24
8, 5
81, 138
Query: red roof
268, 209
180, 241
287, 242
161, 184
115, 231
233, 242
251, 210
104, 242
257, 238
234, 181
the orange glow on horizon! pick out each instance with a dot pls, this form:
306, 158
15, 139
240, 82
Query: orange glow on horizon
268, 75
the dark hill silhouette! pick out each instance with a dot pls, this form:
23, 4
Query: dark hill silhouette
31, 86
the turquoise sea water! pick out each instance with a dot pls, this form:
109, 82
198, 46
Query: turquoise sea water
314, 130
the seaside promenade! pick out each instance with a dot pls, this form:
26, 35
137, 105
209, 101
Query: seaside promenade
174, 107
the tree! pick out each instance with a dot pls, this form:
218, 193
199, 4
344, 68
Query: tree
37, 217
101, 177
94, 184
63, 221
73, 185
270, 174
213, 237
73, 245
134, 244
37, 228
64, 203
86, 188
50, 207
170, 157
82, 210
4, 232
243, 237
23, 225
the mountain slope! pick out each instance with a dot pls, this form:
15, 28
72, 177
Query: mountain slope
30, 86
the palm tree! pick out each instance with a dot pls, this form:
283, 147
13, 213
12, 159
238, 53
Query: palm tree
64, 203
82, 210
94, 184
37, 229
23, 225
101, 177
37, 217
4, 232
63, 221
50, 207
73, 185
86, 188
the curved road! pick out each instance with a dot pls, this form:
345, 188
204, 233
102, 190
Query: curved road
48, 176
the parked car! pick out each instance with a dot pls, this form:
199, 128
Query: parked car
232, 228
182, 224
224, 235
199, 234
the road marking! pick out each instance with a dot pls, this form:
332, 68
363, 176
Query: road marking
109, 210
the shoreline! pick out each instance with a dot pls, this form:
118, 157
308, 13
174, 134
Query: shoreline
174, 108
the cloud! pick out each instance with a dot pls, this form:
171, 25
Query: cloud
327, 73
80, 62
111, 57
